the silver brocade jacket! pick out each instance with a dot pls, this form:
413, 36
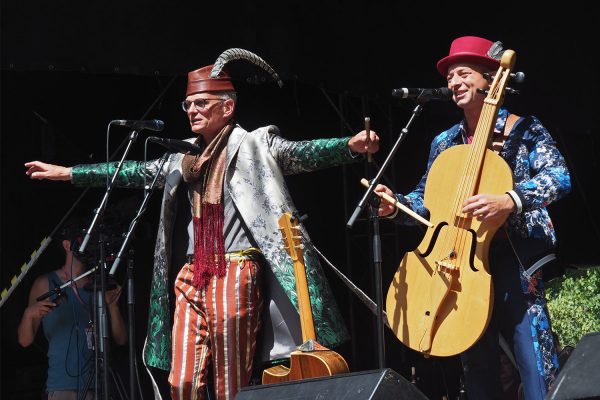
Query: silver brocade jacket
256, 164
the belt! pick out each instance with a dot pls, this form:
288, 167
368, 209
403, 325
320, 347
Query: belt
251, 253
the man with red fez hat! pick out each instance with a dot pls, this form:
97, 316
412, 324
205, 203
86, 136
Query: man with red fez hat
526, 239
230, 199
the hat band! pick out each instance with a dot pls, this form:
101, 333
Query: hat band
209, 85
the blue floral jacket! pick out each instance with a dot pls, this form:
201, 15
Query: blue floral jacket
539, 170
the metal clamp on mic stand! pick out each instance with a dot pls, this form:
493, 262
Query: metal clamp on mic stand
373, 201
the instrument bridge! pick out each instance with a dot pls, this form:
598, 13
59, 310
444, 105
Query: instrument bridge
446, 266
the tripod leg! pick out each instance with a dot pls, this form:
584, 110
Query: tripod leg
118, 385
83, 394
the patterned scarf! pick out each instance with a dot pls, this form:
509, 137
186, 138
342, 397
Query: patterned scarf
204, 174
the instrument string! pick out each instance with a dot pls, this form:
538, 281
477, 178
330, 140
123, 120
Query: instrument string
476, 156
455, 238
474, 170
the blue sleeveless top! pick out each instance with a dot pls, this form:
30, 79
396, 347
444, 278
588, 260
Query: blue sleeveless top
70, 361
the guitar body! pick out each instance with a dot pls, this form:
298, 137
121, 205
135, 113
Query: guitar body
306, 365
441, 308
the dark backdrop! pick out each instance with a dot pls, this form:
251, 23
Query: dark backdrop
68, 68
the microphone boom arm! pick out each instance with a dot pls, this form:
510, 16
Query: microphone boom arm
363, 201
59, 289
141, 210
100, 210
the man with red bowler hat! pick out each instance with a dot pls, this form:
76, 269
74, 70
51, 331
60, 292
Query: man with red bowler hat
526, 240
228, 199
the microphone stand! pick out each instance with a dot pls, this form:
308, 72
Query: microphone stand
98, 214
373, 201
141, 210
131, 321
101, 367
375, 250
130, 293
132, 137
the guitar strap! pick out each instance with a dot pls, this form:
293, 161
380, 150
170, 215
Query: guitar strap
499, 139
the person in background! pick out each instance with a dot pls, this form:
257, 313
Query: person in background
66, 318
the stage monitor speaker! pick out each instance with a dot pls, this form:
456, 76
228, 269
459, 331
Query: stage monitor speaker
578, 378
381, 384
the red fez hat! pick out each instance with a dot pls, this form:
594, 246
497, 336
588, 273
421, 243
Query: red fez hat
200, 81
474, 50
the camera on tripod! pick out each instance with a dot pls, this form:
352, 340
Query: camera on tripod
113, 239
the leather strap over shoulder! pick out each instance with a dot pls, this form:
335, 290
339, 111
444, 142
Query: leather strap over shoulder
498, 141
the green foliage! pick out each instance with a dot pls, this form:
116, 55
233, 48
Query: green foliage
574, 304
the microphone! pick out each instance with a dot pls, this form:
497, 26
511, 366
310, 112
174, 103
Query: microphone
442, 93
176, 146
151, 124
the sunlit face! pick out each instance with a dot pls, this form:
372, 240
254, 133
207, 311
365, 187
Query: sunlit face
464, 79
208, 113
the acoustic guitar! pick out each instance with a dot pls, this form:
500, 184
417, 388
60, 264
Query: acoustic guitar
440, 300
313, 360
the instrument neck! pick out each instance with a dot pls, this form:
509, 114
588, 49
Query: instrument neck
471, 121
480, 141
304, 308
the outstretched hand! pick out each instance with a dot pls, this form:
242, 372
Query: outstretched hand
40, 170
360, 144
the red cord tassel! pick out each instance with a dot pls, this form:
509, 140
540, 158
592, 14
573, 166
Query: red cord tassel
209, 252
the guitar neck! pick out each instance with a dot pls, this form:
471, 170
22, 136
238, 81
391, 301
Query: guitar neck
304, 308
292, 238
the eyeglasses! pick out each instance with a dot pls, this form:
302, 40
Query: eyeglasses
200, 104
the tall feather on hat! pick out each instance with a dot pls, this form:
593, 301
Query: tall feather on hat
241, 54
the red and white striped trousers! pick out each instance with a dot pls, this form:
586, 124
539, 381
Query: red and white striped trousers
218, 322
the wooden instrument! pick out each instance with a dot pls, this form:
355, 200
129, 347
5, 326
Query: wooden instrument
440, 300
319, 361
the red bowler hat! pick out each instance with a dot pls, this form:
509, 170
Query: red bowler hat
472, 49
199, 81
